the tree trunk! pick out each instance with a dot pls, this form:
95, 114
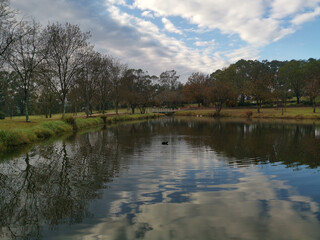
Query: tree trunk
116, 107
132, 109
218, 108
314, 105
63, 107
87, 110
258, 106
298, 100
26, 107
46, 110
103, 107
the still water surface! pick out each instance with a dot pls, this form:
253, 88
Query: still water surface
214, 180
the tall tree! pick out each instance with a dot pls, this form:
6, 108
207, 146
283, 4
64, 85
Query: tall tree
117, 73
259, 84
292, 72
9, 92
25, 55
169, 80
223, 89
168, 89
312, 75
103, 91
195, 88
7, 28
87, 80
67, 52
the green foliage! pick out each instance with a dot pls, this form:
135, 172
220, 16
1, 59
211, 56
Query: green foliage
88, 122
104, 118
12, 138
71, 121
2, 115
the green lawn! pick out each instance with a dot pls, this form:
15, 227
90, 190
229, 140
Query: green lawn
15, 131
291, 113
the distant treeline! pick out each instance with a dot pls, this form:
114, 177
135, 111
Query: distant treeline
55, 69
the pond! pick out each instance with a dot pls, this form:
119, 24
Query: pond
216, 179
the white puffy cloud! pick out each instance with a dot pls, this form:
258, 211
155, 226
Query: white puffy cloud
283, 8
306, 17
168, 26
204, 43
257, 22
147, 14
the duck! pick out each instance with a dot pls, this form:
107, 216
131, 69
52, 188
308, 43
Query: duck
165, 143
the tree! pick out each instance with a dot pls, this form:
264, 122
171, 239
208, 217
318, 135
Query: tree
67, 51
312, 74
7, 30
292, 72
195, 88
168, 89
103, 91
282, 87
259, 84
138, 89
10, 90
25, 55
131, 88
241, 77
145, 90
223, 89
87, 80
117, 73
168, 80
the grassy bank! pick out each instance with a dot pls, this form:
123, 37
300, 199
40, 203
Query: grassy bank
15, 132
291, 113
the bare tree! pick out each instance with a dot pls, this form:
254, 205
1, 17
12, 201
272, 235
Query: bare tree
67, 51
103, 91
7, 21
117, 74
25, 56
88, 79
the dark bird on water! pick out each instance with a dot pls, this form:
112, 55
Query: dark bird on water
165, 143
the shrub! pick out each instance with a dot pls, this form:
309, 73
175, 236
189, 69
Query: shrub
104, 118
2, 115
249, 114
268, 105
71, 121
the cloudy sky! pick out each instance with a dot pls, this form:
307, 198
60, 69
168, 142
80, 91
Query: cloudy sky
189, 35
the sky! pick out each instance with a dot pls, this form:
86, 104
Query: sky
188, 35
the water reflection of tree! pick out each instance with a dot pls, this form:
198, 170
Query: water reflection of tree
246, 143
53, 184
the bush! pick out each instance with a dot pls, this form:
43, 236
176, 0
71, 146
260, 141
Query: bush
104, 118
268, 105
2, 115
71, 121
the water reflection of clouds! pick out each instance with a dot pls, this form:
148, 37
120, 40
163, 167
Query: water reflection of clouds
244, 213
180, 203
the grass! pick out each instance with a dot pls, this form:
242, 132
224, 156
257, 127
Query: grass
10, 138
291, 113
15, 132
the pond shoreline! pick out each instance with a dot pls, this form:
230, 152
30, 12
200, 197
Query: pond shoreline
12, 138
291, 113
